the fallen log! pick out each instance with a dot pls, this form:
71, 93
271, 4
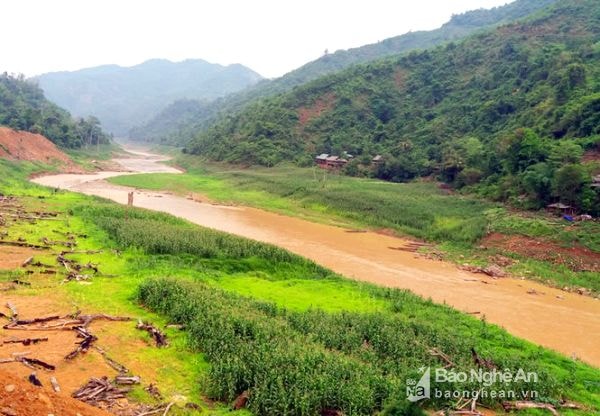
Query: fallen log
127, 380
159, 338
83, 346
20, 282
27, 262
26, 341
115, 365
522, 405
34, 380
482, 362
437, 353
55, 385
99, 390
35, 363
21, 244
13, 311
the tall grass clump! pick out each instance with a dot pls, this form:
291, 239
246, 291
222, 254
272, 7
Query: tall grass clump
301, 363
158, 233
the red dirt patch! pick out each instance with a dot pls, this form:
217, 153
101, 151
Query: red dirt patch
592, 155
12, 257
307, 114
24, 399
576, 258
22, 145
400, 77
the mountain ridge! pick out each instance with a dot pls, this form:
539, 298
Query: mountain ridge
458, 27
122, 96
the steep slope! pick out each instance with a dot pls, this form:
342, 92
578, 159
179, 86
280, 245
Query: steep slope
24, 107
453, 111
123, 97
181, 129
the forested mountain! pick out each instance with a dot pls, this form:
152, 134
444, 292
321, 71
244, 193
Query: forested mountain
24, 107
511, 110
180, 130
124, 97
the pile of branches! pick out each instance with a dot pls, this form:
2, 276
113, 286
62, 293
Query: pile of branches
98, 390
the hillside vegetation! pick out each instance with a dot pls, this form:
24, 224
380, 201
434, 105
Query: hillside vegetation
509, 111
24, 107
124, 97
176, 125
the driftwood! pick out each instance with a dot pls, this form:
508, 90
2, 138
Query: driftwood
27, 262
35, 363
482, 362
20, 244
68, 322
521, 405
168, 408
99, 390
34, 380
115, 365
13, 311
83, 346
159, 338
127, 380
55, 385
26, 341
153, 391
437, 353
20, 282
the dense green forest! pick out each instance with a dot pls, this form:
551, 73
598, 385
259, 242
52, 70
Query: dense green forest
509, 112
176, 124
24, 107
122, 97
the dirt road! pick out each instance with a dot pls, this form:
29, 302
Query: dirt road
565, 322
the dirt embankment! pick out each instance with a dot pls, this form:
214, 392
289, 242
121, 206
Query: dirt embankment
19, 397
22, 145
576, 258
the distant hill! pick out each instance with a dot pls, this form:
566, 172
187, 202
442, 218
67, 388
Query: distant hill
511, 109
122, 97
179, 131
24, 107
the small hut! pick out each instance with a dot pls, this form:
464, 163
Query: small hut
377, 160
560, 208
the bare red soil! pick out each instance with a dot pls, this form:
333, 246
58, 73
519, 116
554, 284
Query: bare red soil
22, 145
321, 105
576, 258
20, 398
592, 155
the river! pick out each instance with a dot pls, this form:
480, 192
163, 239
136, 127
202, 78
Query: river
565, 322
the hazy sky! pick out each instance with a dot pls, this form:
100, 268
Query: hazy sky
272, 37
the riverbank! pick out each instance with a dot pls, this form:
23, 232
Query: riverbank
463, 229
540, 314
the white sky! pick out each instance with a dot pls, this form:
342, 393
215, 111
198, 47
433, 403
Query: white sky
272, 37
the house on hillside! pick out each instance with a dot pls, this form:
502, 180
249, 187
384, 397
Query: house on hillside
321, 160
377, 160
561, 208
326, 161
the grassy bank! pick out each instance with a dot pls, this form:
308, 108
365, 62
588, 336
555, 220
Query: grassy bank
455, 222
253, 323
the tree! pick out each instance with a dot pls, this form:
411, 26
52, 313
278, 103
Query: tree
568, 184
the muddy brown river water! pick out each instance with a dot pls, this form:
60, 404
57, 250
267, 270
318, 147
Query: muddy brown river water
565, 322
